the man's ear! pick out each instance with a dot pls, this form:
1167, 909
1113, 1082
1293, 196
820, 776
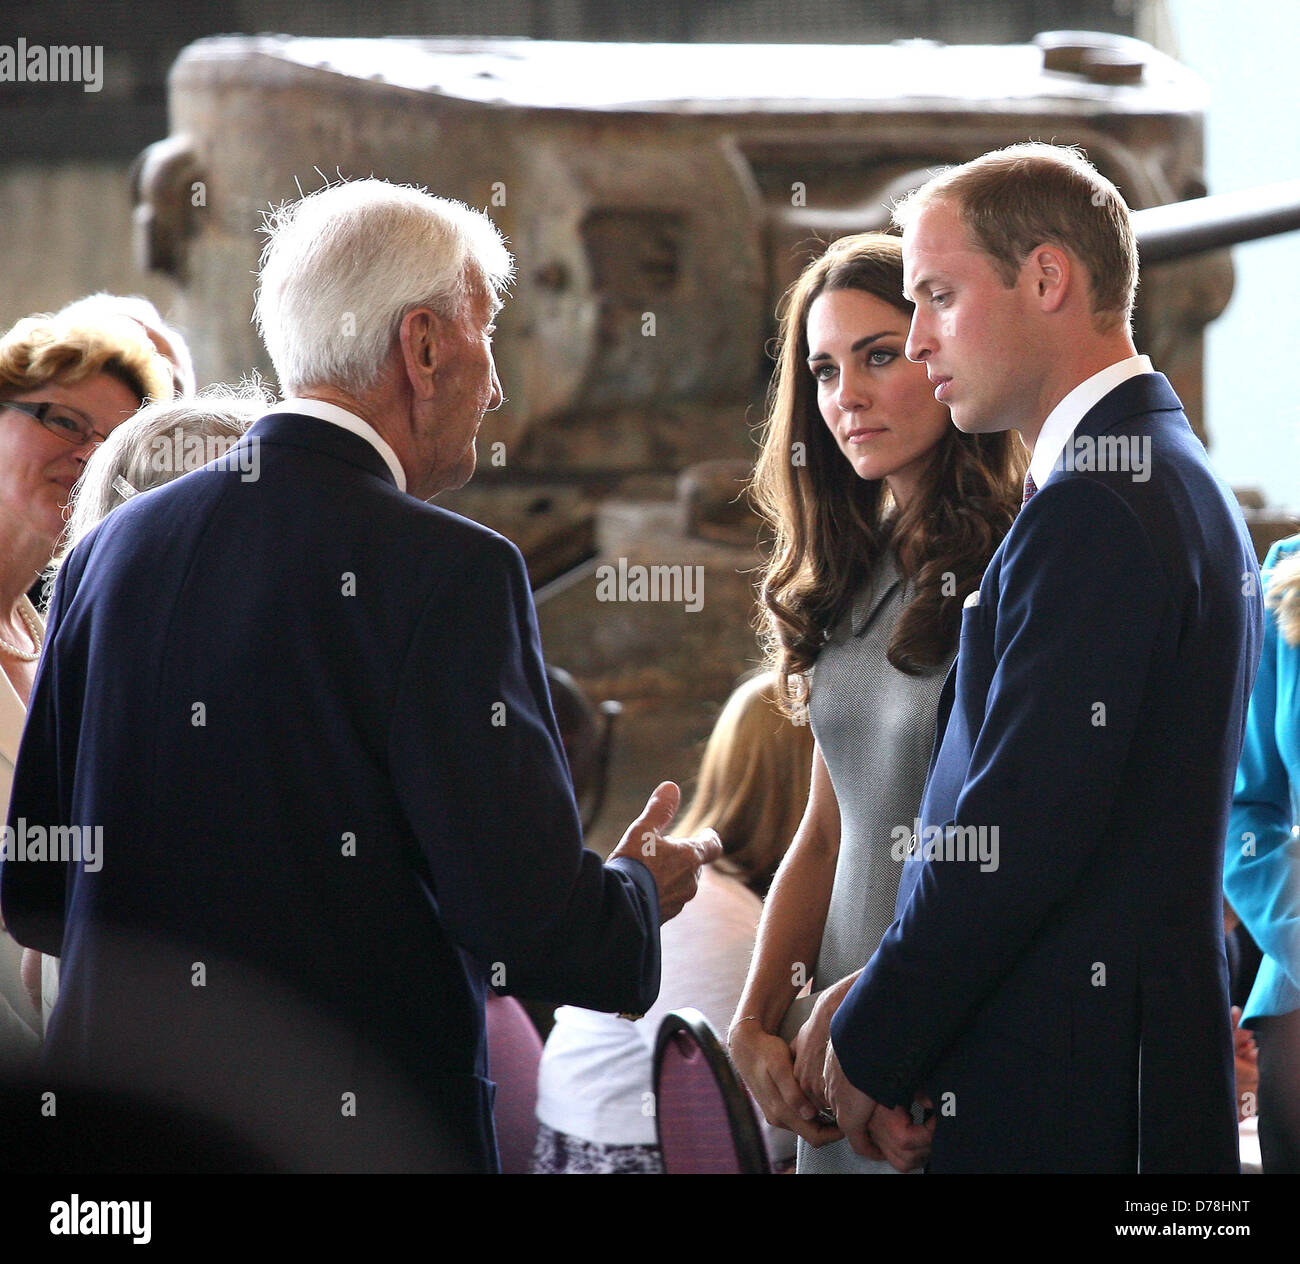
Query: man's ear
1052, 273
420, 338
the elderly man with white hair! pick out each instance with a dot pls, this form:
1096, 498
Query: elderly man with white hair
295, 731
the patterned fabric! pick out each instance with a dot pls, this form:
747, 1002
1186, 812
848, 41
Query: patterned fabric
1030, 488
559, 1153
875, 728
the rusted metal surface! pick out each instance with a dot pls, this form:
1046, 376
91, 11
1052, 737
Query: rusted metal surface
655, 195
659, 199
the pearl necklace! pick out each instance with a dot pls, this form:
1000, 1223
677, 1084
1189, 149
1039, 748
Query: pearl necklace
26, 612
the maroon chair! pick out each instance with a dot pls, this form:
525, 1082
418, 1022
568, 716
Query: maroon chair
514, 1054
705, 1118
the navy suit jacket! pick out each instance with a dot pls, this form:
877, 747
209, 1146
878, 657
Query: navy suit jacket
1062, 996
309, 714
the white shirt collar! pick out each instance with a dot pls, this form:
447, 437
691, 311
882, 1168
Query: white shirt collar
322, 411
1065, 417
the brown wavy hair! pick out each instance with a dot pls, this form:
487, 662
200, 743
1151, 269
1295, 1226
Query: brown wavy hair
753, 783
830, 528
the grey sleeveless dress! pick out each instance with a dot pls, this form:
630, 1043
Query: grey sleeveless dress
875, 728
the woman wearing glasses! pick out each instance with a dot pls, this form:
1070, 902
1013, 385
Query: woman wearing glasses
63, 387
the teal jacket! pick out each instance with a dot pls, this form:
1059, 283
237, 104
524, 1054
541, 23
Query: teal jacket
1261, 874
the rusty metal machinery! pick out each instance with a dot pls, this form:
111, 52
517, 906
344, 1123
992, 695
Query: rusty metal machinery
656, 196
659, 199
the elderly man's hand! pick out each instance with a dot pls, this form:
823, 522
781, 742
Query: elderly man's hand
674, 862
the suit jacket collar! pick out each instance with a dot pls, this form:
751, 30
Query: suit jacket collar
1062, 422
297, 431
1146, 393
1138, 397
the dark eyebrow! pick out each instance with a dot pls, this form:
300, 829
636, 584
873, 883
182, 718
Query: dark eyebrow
857, 346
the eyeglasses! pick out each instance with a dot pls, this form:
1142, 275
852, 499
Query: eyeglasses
59, 420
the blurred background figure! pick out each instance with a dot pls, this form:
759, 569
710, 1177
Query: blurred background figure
65, 385
1261, 872
595, 1104
141, 454
169, 342
138, 455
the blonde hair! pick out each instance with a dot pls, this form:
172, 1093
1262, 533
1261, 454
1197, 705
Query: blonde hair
753, 783
126, 462
40, 350
136, 307
1014, 199
1284, 597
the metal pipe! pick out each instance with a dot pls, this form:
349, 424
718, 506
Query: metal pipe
1182, 229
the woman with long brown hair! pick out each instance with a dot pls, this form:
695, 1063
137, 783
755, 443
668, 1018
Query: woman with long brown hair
883, 517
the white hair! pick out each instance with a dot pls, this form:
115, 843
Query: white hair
343, 266
127, 462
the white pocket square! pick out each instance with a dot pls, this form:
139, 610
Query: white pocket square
972, 600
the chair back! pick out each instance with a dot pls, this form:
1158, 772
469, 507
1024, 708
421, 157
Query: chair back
704, 1116
588, 736
514, 1053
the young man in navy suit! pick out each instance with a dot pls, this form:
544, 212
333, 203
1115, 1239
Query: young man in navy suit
308, 713
1054, 990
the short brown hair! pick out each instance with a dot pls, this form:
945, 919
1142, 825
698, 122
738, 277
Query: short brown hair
1014, 199
40, 350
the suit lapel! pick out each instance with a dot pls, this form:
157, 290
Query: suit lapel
946, 696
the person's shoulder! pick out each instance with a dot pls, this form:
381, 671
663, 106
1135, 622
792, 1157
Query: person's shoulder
140, 518
465, 535
1072, 501
461, 559
1092, 529
1280, 551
